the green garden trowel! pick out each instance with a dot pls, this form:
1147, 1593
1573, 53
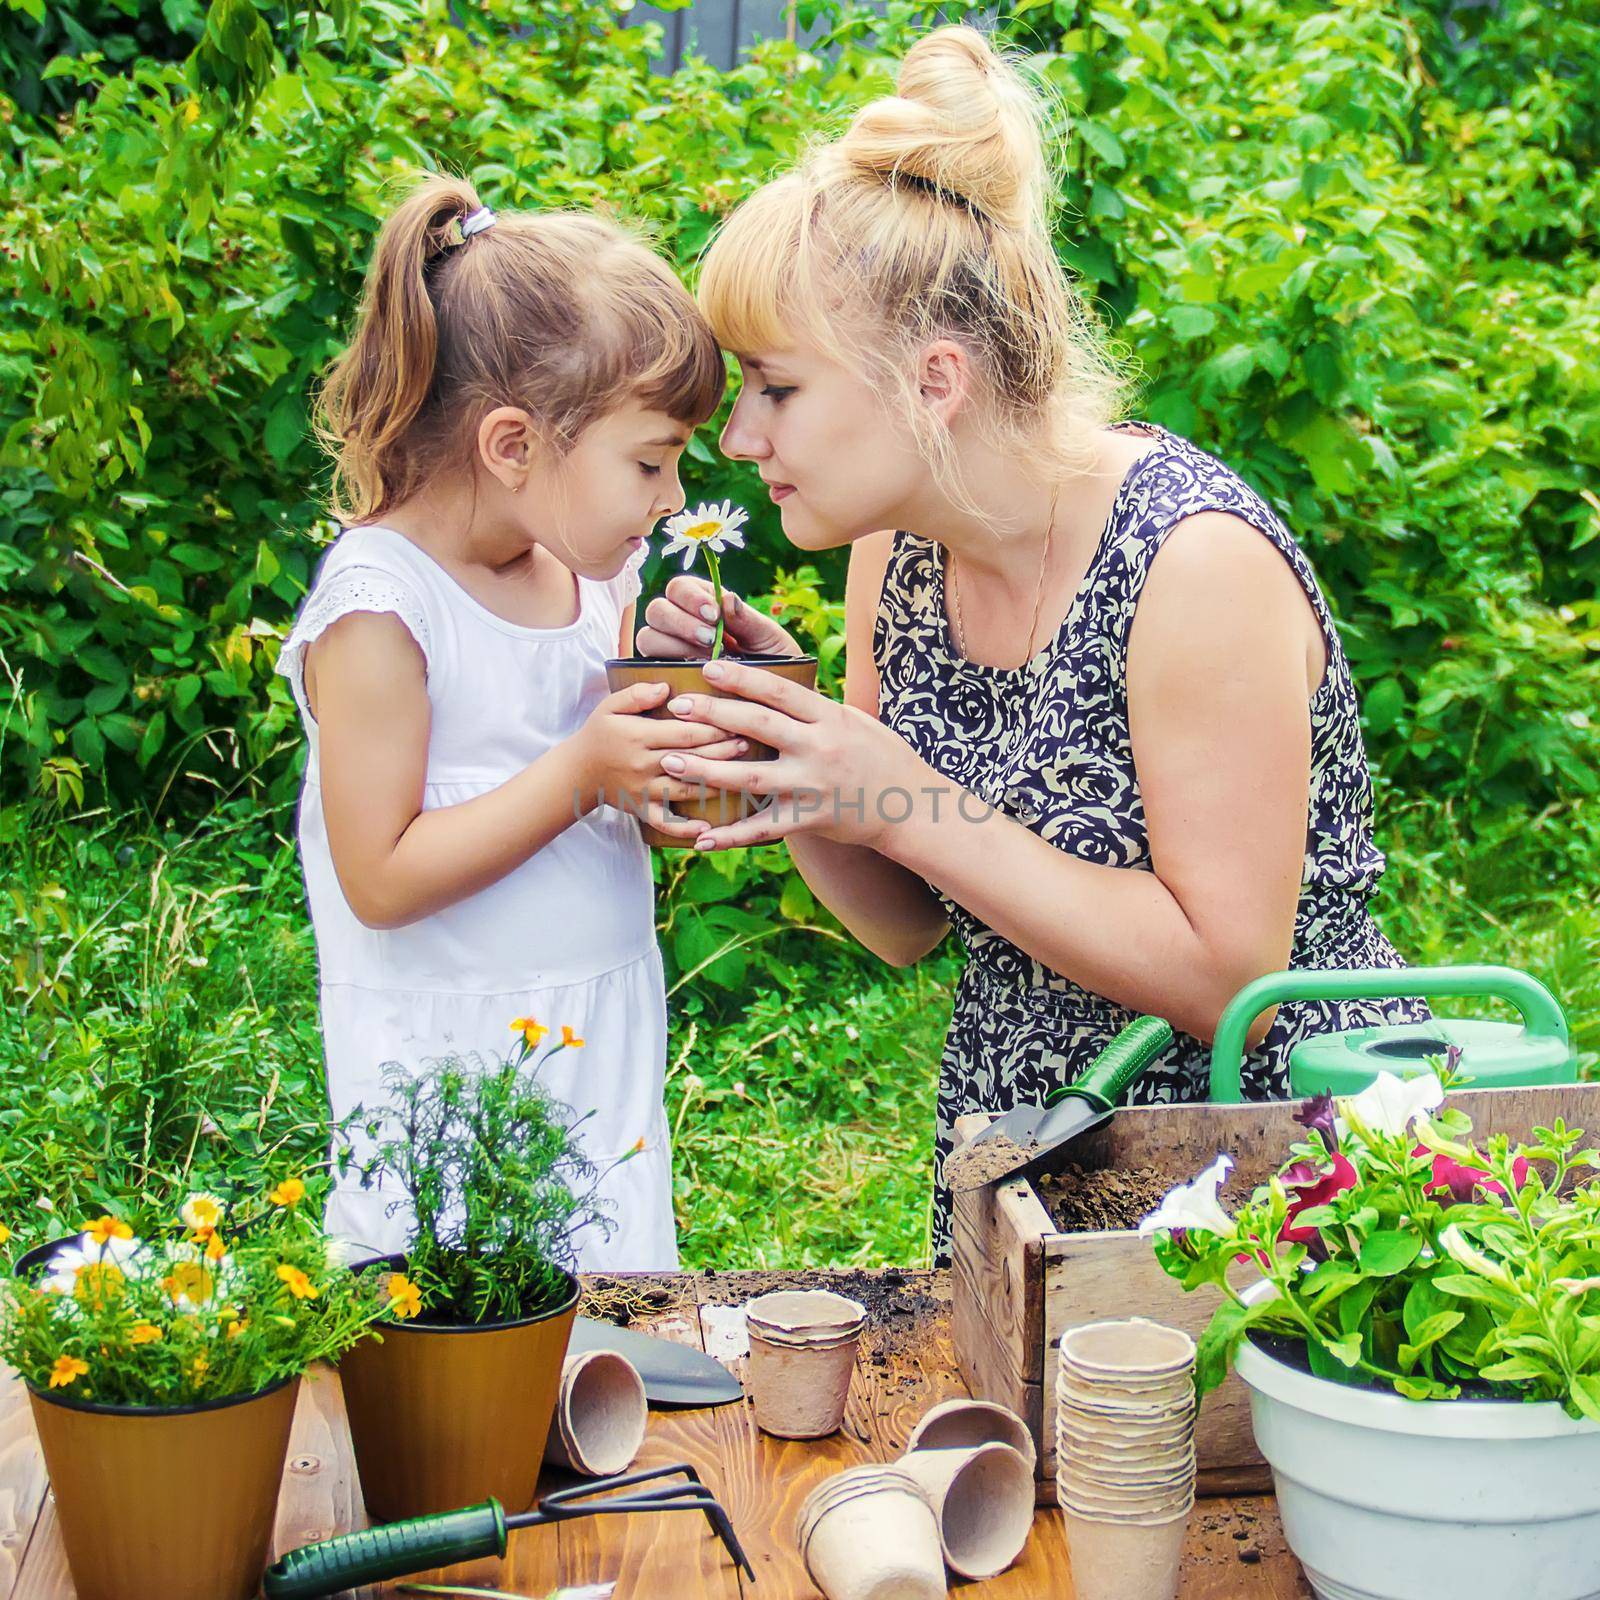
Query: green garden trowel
1030, 1138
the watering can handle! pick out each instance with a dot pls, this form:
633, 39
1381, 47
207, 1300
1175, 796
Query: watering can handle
1542, 1016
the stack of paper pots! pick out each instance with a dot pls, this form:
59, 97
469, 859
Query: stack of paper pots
802, 1355
1125, 1410
869, 1534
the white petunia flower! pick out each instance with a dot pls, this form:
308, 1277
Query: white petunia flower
1194, 1206
709, 527
1390, 1104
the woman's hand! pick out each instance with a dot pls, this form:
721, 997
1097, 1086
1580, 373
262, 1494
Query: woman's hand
839, 773
680, 625
618, 751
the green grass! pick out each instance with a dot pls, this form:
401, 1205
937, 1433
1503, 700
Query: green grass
161, 1028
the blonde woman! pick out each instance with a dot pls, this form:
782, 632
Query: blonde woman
1097, 716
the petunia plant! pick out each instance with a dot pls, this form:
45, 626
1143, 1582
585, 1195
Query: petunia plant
494, 1173
227, 1304
1404, 1254
712, 528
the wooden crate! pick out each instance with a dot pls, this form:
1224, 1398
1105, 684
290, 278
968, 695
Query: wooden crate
1017, 1285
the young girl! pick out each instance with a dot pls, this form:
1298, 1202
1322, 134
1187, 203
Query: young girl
506, 427
1098, 717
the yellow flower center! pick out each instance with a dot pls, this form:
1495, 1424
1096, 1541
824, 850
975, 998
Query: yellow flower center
95, 1282
702, 531
188, 1281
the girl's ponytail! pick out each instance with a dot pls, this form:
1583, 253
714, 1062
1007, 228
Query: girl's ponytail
376, 389
562, 314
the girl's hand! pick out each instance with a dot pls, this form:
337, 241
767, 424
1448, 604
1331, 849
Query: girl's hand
619, 752
839, 773
680, 625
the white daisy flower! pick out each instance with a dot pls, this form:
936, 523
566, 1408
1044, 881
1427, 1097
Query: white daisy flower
713, 528
123, 1256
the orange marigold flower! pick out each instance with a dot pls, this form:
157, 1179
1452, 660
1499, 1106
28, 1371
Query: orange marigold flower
299, 1285
66, 1369
531, 1029
143, 1333
569, 1038
405, 1298
288, 1193
5, 1233
104, 1229
638, 1145
215, 1248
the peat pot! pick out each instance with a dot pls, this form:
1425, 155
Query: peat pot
1384, 1498
716, 806
175, 1501
445, 1415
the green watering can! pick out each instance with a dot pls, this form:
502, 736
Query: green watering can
1495, 1055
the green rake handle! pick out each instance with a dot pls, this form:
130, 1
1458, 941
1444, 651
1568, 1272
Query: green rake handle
1103, 1081
390, 1550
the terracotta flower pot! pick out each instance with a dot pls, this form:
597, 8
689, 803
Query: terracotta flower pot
443, 1416
718, 806
172, 1501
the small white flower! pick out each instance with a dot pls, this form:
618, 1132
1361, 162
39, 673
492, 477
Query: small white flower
1194, 1206
1390, 1104
712, 527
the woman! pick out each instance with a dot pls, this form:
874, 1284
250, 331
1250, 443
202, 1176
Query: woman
1097, 712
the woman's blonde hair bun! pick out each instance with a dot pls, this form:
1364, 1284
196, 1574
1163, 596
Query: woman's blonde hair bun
965, 121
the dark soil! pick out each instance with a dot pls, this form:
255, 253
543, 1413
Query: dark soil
1103, 1201
895, 1301
972, 1165
1292, 1353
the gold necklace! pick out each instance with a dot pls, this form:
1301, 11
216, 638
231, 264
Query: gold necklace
1038, 599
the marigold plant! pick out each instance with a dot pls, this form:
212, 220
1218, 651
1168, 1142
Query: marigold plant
231, 1302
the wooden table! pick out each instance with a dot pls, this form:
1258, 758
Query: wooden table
1235, 1548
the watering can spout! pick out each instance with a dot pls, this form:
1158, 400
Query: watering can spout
1537, 1051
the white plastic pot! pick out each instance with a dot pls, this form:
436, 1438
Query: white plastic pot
1384, 1498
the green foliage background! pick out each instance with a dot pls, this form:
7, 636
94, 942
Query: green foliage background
1351, 248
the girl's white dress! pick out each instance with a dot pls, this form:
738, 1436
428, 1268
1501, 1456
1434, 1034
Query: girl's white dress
568, 937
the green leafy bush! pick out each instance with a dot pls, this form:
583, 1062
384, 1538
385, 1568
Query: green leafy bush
1353, 257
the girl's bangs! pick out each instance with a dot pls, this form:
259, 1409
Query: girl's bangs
685, 376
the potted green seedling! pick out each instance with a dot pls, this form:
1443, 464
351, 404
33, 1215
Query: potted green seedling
711, 529
162, 1373
1423, 1349
453, 1403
